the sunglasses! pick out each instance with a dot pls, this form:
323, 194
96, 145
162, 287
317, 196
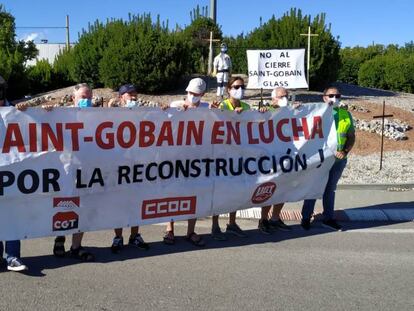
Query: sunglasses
236, 87
334, 95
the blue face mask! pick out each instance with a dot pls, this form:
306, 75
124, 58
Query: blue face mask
223, 50
131, 103
85, 103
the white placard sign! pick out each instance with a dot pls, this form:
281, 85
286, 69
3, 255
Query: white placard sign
269, 69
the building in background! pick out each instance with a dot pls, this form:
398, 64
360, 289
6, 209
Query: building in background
47, 51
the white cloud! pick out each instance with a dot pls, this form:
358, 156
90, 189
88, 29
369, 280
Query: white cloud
31, 37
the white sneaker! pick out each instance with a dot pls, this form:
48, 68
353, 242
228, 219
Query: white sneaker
16, 265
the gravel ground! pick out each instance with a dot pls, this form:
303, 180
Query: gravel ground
397, 168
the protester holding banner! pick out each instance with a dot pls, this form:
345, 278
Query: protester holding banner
14, 263
222, 69
195, 91
82, 98
127, 98
346, 139
280, 97
235, 89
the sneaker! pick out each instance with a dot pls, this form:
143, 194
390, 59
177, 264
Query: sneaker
217, 235
264, 226
279, 225
138, 242
235, 229
331, 224
15, 264
117, 244
305, 223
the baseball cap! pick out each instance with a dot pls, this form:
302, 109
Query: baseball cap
127, 88
196, 85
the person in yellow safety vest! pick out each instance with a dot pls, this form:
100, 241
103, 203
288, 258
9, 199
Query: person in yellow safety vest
235, 89
222, 69
280, 98
346, 140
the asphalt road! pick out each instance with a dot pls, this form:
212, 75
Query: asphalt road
370, 266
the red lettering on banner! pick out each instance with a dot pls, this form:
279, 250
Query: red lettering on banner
252, 140
55, 139
279, 131
317, 127
296, 129
180, 133
216, 132
74, 131
13, 138
32, 137
167, 207
233, 133
132, 134
146, 133
270, 130
109, 143
195, 132
165, 134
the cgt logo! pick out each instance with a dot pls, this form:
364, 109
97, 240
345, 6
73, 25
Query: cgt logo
65, 221
67, 202
168, 207
263, 192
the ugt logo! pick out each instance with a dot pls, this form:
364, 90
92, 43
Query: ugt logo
263, 193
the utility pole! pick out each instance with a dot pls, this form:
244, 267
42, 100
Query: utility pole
67, 33
213, 16
309, 35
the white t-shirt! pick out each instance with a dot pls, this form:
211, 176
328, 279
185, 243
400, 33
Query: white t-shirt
180, 103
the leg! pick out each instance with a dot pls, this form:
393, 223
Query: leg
136, 240
118, 232
169, 238
264, 226
232, 218
233, 228
193, 237
276, 222
307, 208
216, 231
215, 222
335, 174
220, 89
14, 262
77, 251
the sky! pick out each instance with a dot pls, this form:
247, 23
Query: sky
355, 22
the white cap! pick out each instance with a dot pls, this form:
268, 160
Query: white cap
196, 85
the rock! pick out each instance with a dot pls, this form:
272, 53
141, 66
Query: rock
393, 129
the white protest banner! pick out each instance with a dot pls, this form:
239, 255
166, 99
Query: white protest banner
268, 69
73, 170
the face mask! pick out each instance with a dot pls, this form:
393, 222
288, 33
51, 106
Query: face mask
334, 102
131, 103
85, 103
282, 102
237, 94
223, 50
193, 99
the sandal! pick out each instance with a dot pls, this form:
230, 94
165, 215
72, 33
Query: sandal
196, 240
81, 254
59, 247
169, 238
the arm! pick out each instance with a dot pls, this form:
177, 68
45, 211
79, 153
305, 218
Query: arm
350, 141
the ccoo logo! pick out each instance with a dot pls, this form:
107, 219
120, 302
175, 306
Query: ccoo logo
67, 202
263, 192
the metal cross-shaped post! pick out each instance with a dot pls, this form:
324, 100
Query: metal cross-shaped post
309, 35
383, 116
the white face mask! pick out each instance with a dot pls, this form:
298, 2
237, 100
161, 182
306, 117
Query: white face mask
131, 103
334, 102
282, 102
237, 94
193, 99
